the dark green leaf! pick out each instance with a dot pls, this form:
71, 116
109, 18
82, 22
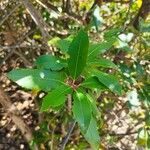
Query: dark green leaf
49, 62
109, 81
37, 79
56, 97
93, 82
78, 51
82, 110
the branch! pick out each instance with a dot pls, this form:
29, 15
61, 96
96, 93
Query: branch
66, 139
37, 19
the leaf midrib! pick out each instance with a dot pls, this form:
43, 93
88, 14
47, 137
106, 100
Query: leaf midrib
77, 59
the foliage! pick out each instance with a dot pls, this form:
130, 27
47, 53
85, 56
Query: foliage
52, 76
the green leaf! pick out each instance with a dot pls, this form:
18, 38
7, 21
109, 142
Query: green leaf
92, 135
78, 52
56, 97
109, 81
93, 82
63, 45
37, 79
49, 62
82, 110
95, 49
92, 101
101, 62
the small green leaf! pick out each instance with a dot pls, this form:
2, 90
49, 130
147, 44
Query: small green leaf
56, 97
37, 79
82, 110
93, 82
49, 62
78, 51
109, 81
92, 135
101, 62
63, 45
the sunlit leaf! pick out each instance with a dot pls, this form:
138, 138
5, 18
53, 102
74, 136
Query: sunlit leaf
37, 79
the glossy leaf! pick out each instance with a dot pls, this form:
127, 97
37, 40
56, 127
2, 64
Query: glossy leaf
82, 110
56, 97
109, 81
37, 79
93, 82
78, 52
49, 62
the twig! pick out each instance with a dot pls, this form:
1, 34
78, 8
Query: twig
18, 46
47, 8
54, 8
9, 14
37, 19
65, 140
26, 62
50, 7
